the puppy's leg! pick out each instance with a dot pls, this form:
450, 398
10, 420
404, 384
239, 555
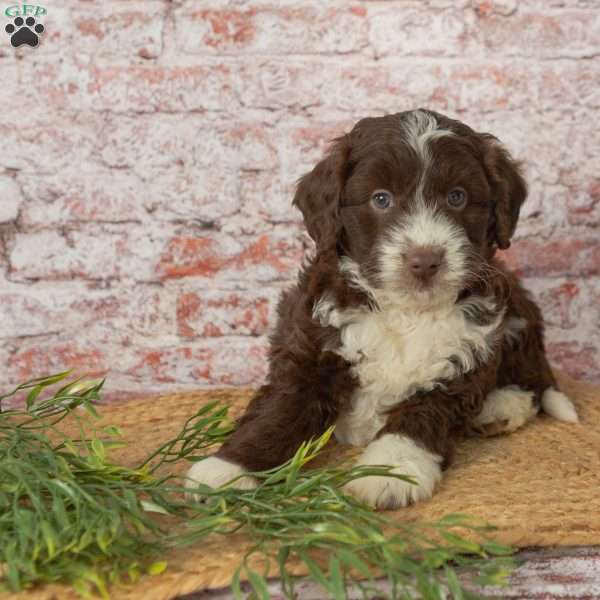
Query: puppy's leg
408, 457
507, 409
279, 418
524, 362
417, 441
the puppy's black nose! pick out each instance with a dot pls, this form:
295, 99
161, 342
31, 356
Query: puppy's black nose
424, 263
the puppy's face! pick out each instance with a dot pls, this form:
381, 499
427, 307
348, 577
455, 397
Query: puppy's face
414, 202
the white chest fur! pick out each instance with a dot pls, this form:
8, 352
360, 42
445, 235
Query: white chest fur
394, 353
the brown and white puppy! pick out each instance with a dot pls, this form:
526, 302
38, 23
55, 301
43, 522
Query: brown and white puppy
403, 331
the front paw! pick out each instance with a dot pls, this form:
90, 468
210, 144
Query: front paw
407, 458
216, 472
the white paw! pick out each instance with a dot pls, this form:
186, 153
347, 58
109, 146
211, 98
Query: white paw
557, 405
407, 458
216, 472
507, 408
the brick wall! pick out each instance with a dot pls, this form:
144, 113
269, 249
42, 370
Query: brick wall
148, 151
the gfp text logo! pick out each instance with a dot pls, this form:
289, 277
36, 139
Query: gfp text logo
25, 10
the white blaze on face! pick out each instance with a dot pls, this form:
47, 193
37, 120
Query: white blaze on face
424, 227
421, 129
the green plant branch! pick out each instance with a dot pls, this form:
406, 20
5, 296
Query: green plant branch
69, 514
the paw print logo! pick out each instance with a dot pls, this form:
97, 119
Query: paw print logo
24, 32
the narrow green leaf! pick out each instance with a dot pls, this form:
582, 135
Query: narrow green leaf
50, 537
353, 561
156, 568
98, 448
338, 588
454, 585
32, 396
457, 519
236, 588
315, 571
150, 506
461, 542
113, 430
259, 584
497, 549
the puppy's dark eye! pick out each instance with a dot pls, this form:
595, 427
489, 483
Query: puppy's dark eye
381, 199
457, 198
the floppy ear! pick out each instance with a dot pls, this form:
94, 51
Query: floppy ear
509, 189
319, 193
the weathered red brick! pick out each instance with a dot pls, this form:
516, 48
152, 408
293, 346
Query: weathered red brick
276, 29
583, 202
263, 257
480, 30
363, 87
40, 144
227, 363
416, 30
578, 359
72, 309
233, 83
214, 313
143, 253
564, 256
107, 253
23, 315
147, 87
591, 312
10, 76
559, 308
541, 33
227, 27
11, 199
128, 29
266, 197
39, 359
300, 147
79, 194
192, 193
145, 142
191, 256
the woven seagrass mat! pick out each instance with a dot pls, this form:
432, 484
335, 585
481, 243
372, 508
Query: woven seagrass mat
540, 485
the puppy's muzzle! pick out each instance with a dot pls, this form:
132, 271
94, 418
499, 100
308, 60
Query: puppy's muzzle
425, 261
